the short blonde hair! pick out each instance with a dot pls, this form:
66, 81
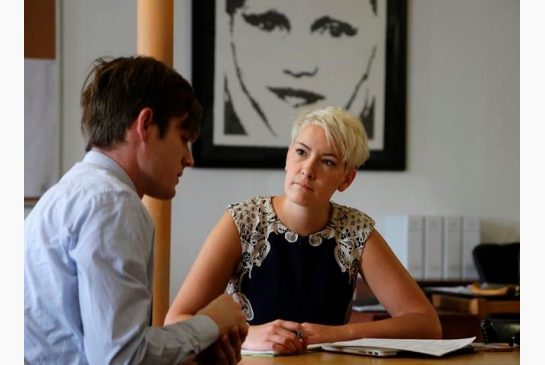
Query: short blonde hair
342, 128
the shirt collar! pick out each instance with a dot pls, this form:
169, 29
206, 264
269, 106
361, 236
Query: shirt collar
104, 161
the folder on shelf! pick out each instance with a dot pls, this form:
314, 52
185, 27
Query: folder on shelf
433, 247
405, 235
471, 237
452, 247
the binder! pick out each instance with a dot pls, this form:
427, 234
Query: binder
405, 235
452, 248
471, 237
433, 247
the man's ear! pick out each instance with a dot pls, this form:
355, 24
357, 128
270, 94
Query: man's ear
143, 122
348, 178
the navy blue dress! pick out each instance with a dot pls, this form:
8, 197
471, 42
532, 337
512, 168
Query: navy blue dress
282, 275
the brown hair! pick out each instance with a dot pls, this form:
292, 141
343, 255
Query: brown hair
116, 90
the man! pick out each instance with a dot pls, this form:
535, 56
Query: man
89, 240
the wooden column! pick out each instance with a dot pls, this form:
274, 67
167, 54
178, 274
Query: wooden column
155, 20
40, 32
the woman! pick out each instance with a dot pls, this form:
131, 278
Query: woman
292, 260
283, 57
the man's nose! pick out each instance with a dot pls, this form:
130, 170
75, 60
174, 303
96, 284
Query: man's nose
187, 159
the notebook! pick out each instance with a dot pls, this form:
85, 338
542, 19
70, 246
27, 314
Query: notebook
271, 353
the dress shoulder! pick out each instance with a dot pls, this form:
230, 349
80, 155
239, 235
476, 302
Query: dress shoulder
251, 214
352, 222
252, 204
353, 228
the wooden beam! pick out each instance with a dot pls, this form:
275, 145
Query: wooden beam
155, 20
40, 29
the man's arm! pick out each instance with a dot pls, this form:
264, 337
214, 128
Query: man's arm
114, 263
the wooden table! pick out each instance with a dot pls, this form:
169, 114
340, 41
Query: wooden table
478, 358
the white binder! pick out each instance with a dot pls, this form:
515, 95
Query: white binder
471, 237
433, 247
452, 247
405, 235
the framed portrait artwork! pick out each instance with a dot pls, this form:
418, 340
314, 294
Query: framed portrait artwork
257, 64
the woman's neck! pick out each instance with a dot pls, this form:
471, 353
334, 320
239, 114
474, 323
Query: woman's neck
300, 219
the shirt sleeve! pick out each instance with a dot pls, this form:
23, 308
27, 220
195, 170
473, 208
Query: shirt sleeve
113, 254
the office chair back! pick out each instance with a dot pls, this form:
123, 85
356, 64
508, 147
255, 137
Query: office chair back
498, 263
501, 330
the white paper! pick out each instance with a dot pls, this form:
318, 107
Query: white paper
461, 289
369, 308
428, 347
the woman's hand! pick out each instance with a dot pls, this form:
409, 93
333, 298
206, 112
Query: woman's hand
318, 333
282, 337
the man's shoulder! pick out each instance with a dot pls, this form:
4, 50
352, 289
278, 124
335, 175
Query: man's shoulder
88, 181
87, 186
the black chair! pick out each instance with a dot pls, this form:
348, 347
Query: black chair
498, 263
501, 330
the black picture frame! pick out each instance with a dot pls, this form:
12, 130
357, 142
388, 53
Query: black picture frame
392, 157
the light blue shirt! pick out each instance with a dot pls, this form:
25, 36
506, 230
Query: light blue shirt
88, 267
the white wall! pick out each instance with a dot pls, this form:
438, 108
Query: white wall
462, 115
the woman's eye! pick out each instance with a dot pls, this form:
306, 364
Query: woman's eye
300, 151
269, 21
335, 28
330, 163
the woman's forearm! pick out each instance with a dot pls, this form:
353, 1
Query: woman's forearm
413, 325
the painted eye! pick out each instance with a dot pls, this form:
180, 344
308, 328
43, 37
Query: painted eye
268, 22
335, 28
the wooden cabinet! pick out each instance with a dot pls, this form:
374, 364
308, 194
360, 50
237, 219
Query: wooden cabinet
460, 316
454, 324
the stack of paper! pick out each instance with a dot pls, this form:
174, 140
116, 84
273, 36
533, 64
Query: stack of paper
427, 347
380, 347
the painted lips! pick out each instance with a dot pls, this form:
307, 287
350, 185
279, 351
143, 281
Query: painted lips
295, 97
